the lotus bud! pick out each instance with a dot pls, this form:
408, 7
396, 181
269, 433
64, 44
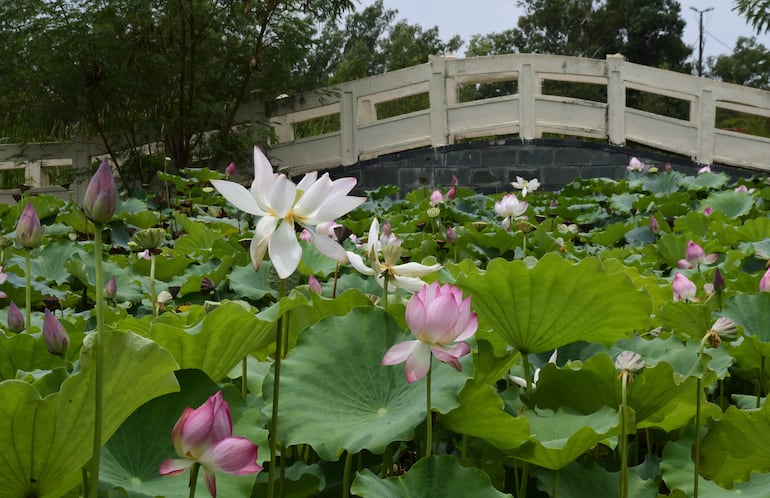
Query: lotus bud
451, 235
305, 236
654, 225
764, 282
164, 297
111, 289
684, 289
314, 284
101, 198
56, 339
230, 169
28, 229
5, 242
719, 281
436, 198
149, 238
15, 318
207, 285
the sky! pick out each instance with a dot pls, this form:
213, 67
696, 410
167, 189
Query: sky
721, 26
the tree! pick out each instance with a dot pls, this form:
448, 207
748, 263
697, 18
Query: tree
748, 65
756, 12
133, 71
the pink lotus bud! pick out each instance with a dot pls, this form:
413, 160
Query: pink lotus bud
764, 283
668, 168
451, 235
719, 281
207, 285
305, 236
708, 211
230, 169
56, 339
111, 289
101, 198
684, 289
436, 198
28, 229
452, 193
314, 284
15, 318
654, 225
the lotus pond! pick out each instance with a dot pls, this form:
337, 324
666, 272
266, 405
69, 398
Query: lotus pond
607, 339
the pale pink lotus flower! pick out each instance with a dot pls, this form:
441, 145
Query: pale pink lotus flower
764, 282
695, 256
441, 321
304, 235
405, 276
704, 169
526, 185
522, 382
629, 361
280, 204
684, 289
634, 164
745, 189
510, 208
725, 328
3, 278
205, 436
436, 198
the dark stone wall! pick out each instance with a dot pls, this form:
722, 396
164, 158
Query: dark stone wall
490, 166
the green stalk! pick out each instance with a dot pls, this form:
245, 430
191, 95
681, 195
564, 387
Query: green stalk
387, 461
527, 374
244, 372
28, 289
429, 420
698, 394
276, 387
153, 296
524, 480
99, 357
761, 380
623, 441
555, 489
194, 478
385, 283
346, 475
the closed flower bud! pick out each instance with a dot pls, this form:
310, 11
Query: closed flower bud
15, 318
28, 229
719, 281
56, 339
111, 289
764, 282
101, 198
451, 235
230, 169
207, 286
654, 225
314, 284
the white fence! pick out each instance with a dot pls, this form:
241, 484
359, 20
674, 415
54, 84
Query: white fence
529, 113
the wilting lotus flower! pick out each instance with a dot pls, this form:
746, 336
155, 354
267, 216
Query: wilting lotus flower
684, 289
280, 204
400, 275
28, 229
526, 185
205, 436
15, 318
55, 336
101, 197
630, 361
695, 256
764, 282
510, 208
441, 321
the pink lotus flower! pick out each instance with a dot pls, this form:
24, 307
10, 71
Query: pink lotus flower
764, 282
708, 211
452, 193
695, 256
634, 164
314, 284
684, 289
205, 436
436, 198
654, 225
441, 321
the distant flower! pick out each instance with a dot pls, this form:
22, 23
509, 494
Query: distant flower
205, 436
281, 204
230, 169
29, 232
724, 329
451, 235
406, 276
630, 362
15, 318
144, 255
684, 289
101, 197
705, 169
452, 193
719, 281
314, 284
111, 289
510, 208
708, 211
526, 185
164, 297
436, 198
441, 321
55, 336
744, 188
305, 236
653, 225
695, 256
635, 164
535, 376
764, 282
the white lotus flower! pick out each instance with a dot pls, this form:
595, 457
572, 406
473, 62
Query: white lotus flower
405, 275
526, 185
280, 204
510, 208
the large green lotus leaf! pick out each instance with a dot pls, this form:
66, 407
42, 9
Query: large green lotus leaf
741, 439
24, 352
686, 320
250, 284
198, 239
47, 441
659, 294
749, 355
586, 479
556, 303
166, 268
658, 395
731, 204
677, 472
560, 436
671, 248
439, 475
662, 183
482, 414
624, 202
335, 370
214, 343
314, 262
683, 357
753, 230
705, 181
136, 212
214, 269
752, 312
610, 234
132, 456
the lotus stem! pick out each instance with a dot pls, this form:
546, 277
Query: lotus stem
28, 288
623, 441
525, 367
385, 284
244, 373
760, 380
429, 420
555, 489
698, 394
387, 461
194, 478
524, 480
99, 358
153, 296
276, 387
336, 276
346, 475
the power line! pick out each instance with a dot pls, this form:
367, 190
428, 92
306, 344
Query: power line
700, 36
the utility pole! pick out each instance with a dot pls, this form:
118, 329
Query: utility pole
700, 37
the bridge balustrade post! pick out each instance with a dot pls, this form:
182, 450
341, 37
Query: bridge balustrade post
616, 100
528, 90
348, 129
439, 98
705, 119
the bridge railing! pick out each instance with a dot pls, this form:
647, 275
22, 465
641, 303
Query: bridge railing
528, 113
